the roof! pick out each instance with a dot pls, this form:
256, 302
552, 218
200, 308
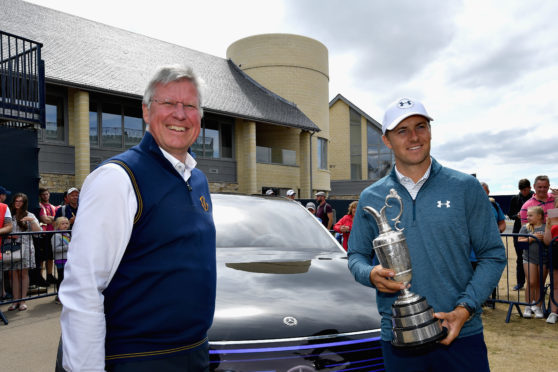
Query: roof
93, 56
340, 97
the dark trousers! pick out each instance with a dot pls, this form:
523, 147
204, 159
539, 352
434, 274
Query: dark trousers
60, 271
194, 360
519, 271
463, 354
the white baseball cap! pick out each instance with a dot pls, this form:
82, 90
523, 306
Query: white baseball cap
401, 110
291, 192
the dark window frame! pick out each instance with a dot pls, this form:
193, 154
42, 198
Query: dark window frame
125, 106
221, 122
59, 94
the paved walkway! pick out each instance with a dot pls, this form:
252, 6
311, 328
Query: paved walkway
30, 341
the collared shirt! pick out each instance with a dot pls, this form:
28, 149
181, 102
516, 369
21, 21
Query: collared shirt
95, 252
184, 169
409, 184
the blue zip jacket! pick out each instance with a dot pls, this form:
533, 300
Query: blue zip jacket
450, 216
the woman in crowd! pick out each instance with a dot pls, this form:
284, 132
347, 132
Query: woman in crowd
532, 259
22, 221
345, 224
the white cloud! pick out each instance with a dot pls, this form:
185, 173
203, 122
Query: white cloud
486, 70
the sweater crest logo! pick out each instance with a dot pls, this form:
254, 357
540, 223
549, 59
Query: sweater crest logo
204, 204
446, 204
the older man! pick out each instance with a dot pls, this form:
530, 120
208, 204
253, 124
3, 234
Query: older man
69, 209
446, 215
139, 287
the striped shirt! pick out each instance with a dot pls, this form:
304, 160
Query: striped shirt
533, 202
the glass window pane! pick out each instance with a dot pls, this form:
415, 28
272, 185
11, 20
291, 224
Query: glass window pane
263, 154
385, 164
54, 114
356, 168
289, 157
373, 166
373, 134
133, 126
211, 144
93, 124
111, 124
197, 147
322, 153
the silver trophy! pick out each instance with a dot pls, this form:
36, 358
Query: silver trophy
413, 319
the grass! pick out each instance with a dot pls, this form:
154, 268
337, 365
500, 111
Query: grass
522, 344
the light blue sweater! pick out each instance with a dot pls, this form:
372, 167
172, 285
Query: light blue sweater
450, 216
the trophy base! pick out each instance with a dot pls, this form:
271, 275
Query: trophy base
419, 343
414, 324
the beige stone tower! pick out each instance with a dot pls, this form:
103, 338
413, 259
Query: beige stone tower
296, 68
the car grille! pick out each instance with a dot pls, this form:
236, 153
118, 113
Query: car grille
340, 352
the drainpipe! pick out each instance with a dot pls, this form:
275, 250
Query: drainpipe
311, 155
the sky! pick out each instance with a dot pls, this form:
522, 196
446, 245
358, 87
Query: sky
487, 71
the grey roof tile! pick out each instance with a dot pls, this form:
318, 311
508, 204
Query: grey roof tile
87, 54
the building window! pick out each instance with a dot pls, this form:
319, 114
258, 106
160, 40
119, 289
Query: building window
322, 153
115, 125
263, 154
93, 124
380, 157
215, 139
54, 118
355, 146
288, 157
111, 125
133, 127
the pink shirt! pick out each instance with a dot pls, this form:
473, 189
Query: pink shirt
533, 202
47, 209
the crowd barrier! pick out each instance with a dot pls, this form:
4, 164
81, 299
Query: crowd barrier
515, 299
20, 254
21, 267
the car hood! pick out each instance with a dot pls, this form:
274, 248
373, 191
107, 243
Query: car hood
278, 294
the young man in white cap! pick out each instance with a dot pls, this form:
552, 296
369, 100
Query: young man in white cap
291, 194
446, 215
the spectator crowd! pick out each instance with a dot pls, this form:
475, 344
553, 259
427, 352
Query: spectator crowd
27, 261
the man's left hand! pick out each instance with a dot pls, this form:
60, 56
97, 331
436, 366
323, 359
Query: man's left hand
453, 321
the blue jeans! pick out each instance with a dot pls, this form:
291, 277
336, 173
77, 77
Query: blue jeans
463, 354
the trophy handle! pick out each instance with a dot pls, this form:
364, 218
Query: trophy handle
394, 195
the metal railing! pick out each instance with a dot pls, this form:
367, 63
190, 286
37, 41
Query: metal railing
16, 262
22, 81
514, 298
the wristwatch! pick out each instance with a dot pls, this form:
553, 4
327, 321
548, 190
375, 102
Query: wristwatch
468, 308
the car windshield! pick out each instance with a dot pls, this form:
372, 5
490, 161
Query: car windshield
252, 221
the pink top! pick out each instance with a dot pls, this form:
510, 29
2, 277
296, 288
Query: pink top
533, 202
47, 209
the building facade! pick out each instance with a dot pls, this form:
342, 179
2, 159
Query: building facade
358, 156
267, 122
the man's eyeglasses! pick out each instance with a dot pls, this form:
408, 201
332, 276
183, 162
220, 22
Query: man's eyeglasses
173, 105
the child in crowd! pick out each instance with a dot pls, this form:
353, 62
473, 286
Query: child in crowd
60, 244
550, 233
531, 259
